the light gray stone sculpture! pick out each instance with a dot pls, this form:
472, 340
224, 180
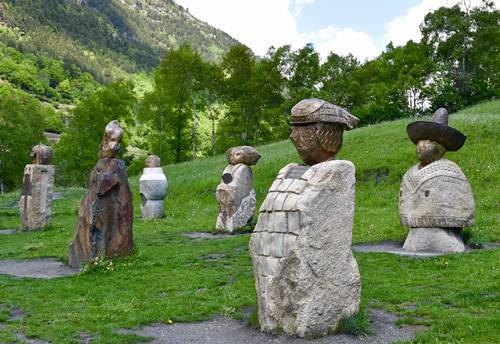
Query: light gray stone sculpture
35, 206
306, 277
235, 194
153, 187
435, 198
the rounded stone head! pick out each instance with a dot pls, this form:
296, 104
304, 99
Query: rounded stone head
41, 154
110, 145
152, 161
317, 129
242, 155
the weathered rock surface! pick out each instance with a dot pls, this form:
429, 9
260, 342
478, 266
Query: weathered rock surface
236, 197
442, 240
437, 195
306, 276
35, 206
242, 155
105, 216
41, 155
153, 187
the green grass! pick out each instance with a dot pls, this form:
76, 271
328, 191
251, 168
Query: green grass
173, 277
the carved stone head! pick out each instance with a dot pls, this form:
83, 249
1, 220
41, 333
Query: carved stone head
152, 161
433, 138
242, 155
41, 154
317, 129
110, 145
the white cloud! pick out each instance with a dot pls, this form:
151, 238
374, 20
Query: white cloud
298, 6
259, 24
343, 42
401, 29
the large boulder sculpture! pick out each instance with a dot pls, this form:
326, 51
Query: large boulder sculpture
235, 194
105, 216
306, 277
153, 187
435, 198
35, 206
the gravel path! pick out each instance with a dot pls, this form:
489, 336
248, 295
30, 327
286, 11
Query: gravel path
226, 330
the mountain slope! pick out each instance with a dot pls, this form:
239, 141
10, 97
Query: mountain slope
109, 37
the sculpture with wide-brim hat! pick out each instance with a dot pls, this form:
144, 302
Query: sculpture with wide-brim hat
437, 130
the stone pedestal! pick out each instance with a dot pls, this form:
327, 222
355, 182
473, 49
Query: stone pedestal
153, 187
36, 200
441, 240
306, 277
236, 198
105, 216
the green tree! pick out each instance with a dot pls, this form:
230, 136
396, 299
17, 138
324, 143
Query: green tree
78, 149
464, 43
22, 122
238, 65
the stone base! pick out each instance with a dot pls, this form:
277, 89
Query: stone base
153, 209
35, 206
441, 240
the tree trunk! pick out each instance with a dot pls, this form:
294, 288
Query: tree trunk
178, 148
213, 128
193, 132
161, 132
256, 129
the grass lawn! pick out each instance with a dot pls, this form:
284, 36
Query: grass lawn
172, 277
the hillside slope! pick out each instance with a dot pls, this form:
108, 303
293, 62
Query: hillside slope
106, 37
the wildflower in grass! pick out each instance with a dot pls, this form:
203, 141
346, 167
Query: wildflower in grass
169, 321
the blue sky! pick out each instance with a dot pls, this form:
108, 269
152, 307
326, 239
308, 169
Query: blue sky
360, 27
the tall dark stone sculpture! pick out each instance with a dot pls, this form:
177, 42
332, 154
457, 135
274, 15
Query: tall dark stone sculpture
105, 217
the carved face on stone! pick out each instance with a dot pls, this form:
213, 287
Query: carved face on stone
242, 155
110, 145
152, 161
317, 142
429, 151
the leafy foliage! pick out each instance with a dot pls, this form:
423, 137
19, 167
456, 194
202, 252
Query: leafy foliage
22, 122
78, 148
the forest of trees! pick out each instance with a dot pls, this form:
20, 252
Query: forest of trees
196, 107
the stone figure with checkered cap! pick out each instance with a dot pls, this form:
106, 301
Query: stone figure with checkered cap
306, 277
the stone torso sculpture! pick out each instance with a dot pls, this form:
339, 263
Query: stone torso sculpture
306, 277
435, 198
105, 216
153, 187
35, 206
235, 194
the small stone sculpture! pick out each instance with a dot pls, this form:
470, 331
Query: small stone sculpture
105, 217
153, 187
306, 277
435, 198
235, 194
35, 206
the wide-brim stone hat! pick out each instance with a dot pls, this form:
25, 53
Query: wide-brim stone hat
437, 130
315, 110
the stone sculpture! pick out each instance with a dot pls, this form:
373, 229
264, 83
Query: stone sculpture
435, 198
105, 216
35, 206
235, 194
153, 187
306, 277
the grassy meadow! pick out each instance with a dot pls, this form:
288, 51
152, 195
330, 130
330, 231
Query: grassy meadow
453, 298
